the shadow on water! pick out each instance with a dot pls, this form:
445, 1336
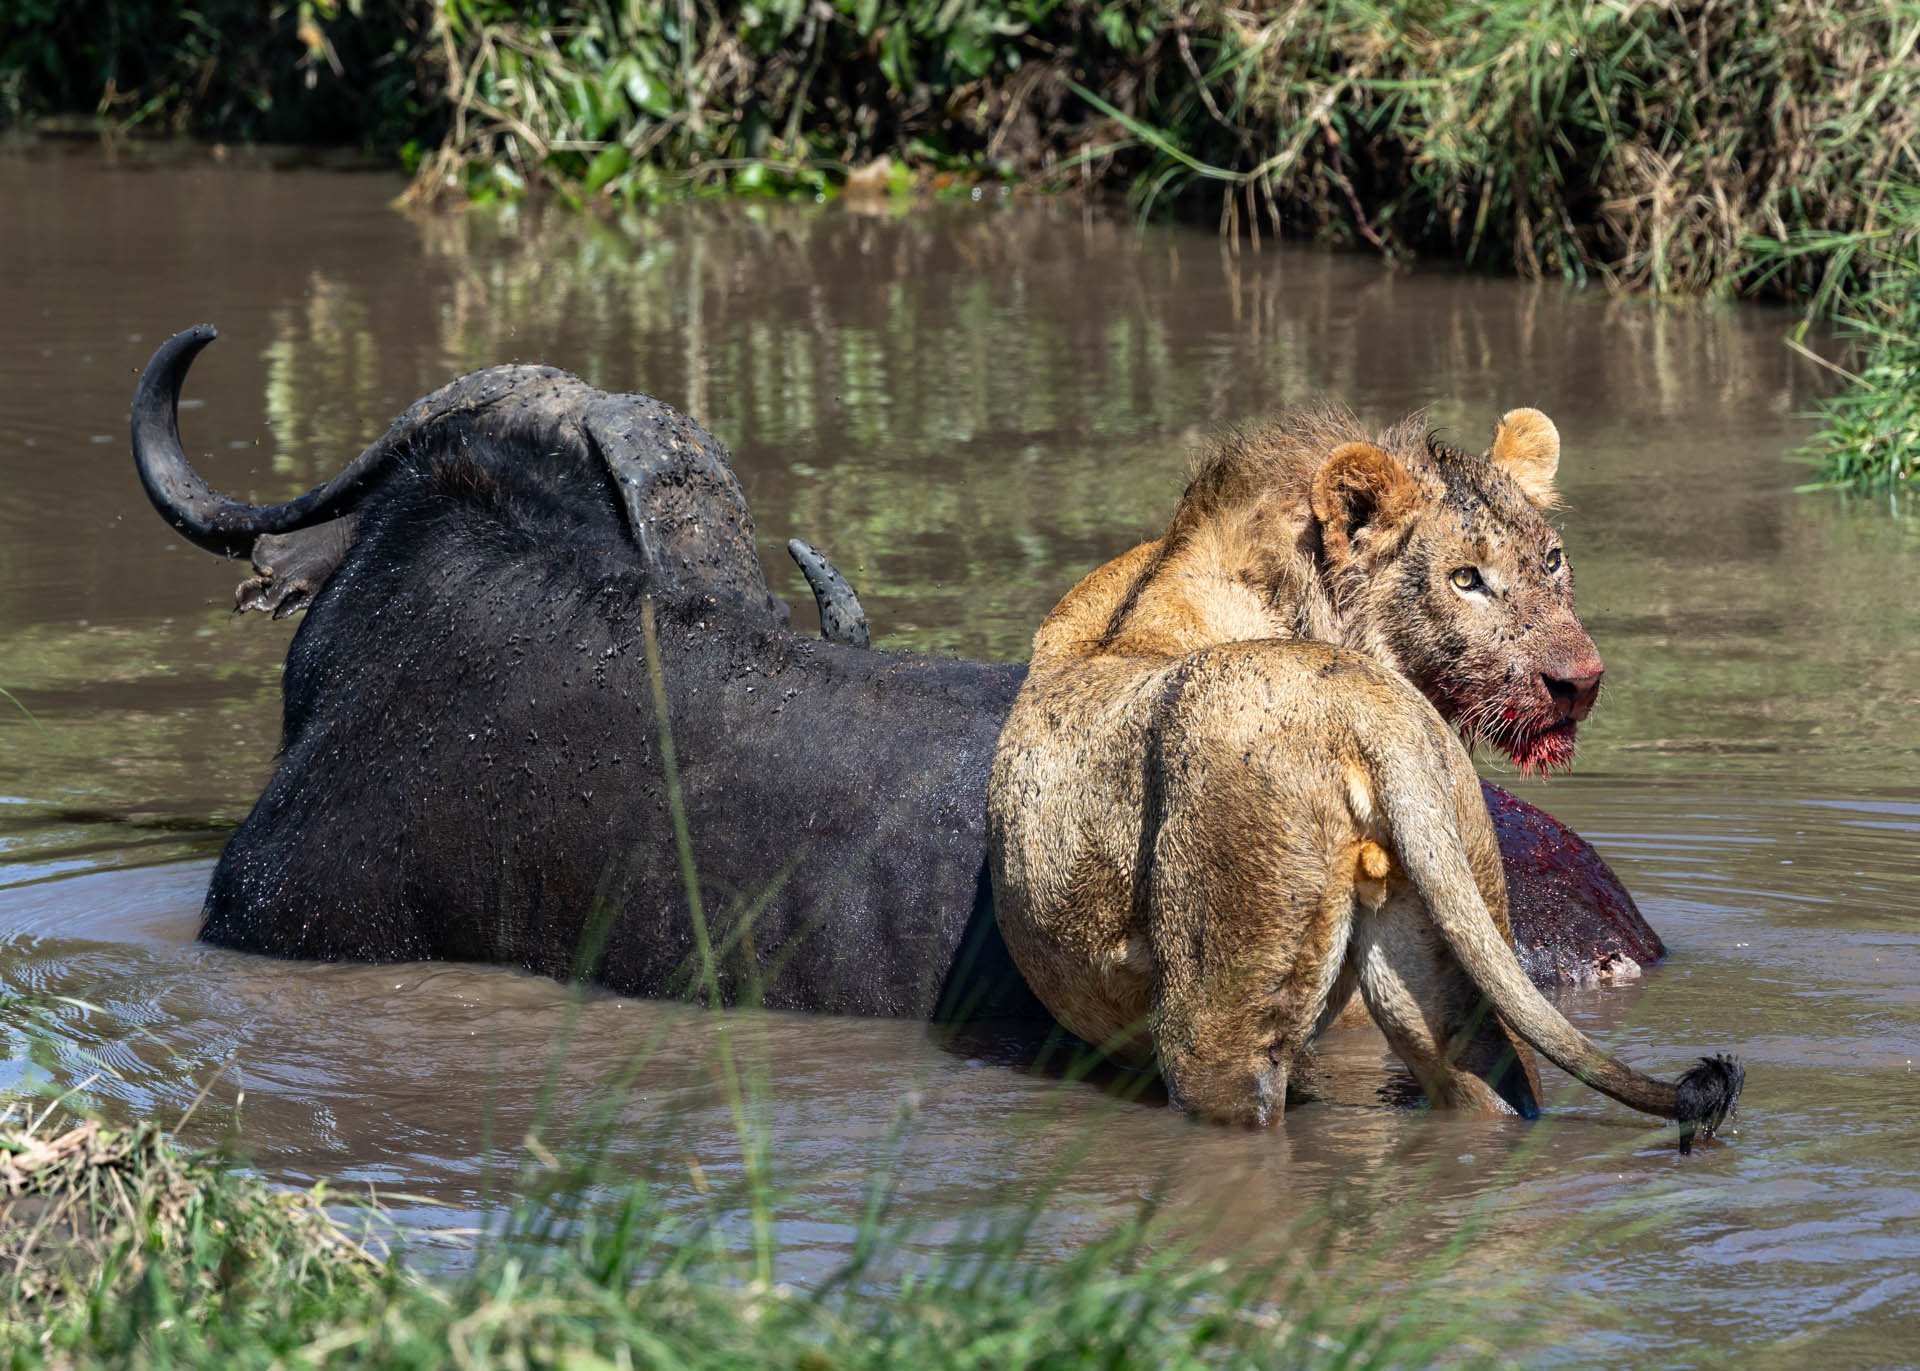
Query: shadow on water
968, 408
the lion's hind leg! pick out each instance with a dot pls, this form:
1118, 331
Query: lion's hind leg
1434, 1016
1246, 957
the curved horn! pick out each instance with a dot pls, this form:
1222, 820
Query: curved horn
841, 618
201, 514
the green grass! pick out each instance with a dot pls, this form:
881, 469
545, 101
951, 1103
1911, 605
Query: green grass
1729, 150
118, 1248
1870, 432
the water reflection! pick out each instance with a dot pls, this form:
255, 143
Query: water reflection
970, 406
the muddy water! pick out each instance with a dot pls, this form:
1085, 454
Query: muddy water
968, 407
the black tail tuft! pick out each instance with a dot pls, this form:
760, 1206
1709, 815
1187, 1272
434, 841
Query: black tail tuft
1707, 1094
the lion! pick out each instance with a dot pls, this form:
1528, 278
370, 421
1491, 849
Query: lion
1235, 786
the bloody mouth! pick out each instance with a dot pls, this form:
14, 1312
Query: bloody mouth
1547, 750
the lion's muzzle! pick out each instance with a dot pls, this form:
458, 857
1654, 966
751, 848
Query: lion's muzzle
1573, 689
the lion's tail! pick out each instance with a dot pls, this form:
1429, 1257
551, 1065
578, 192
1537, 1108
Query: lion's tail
1419, 809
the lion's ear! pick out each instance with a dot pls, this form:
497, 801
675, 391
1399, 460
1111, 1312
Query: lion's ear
1526, 446
1359, 486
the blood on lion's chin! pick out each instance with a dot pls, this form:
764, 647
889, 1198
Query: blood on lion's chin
1544, 752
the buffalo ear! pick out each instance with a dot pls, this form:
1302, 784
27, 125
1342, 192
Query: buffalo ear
1526, 446
1359, 487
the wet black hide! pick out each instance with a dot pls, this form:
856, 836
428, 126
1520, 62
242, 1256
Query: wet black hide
473, 767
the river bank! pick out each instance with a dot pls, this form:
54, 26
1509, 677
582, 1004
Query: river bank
1767, 153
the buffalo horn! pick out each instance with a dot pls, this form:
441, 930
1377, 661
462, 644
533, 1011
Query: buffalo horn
200, 514
841, 618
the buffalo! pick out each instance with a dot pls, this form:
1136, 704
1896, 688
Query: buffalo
543, 710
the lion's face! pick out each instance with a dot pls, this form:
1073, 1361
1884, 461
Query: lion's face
1446, 569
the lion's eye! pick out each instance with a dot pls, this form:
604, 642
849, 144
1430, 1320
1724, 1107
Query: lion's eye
1467, 578
1553, 561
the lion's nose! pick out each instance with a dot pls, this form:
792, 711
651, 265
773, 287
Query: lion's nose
1574, 692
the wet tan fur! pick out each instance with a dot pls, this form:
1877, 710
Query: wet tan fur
1218, 807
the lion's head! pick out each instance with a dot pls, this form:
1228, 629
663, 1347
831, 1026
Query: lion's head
1441, 564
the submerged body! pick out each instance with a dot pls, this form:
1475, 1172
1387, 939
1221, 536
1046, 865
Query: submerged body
472, 768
